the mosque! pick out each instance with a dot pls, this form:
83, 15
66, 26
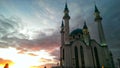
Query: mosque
78, 50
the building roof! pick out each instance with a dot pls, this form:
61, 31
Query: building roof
76, 31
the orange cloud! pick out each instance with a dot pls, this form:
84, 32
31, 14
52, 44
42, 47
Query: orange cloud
4, 61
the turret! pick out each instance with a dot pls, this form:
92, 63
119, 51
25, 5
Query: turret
86, 35
97, 14
98, 20
66, 18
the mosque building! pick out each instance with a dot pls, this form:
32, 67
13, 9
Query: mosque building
78, 50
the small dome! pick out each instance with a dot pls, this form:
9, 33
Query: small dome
76, 31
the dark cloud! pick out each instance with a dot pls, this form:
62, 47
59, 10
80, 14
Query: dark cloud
4, 44
47, 42
111, 22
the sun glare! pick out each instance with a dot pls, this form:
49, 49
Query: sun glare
25, 60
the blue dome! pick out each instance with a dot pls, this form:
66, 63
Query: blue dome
76, 31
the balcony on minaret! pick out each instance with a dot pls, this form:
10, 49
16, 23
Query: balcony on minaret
97, 17
66, 16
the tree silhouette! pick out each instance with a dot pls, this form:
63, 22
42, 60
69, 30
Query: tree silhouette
6, 65
45, 67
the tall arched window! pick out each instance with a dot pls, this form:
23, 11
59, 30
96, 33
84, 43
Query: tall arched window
96, 57
63, 57
82, 57
76, 57
63, 54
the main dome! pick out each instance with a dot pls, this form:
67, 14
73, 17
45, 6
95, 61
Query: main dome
76, 31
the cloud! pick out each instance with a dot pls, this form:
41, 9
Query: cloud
44, 60
10, 27
56, 52
4, 61
46, 43
111, 19
32, 54
7, 26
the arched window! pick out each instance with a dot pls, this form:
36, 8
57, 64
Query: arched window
82, 57
63, 54
76, 57
96, 57
79, 35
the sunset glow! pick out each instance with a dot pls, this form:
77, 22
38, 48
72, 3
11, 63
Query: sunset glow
25, 60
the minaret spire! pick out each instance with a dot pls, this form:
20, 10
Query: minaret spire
66, 7
66, 18
98, 19
96, 9
86, 34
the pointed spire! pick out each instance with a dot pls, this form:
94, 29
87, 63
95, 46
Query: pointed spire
85, 26
66, 7
97, 14
66, 12
96, 9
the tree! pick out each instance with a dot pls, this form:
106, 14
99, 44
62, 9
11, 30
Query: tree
6, 65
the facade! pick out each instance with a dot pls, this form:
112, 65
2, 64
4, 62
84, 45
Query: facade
78, 50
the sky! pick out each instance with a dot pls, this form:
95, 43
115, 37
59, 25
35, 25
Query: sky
30, 29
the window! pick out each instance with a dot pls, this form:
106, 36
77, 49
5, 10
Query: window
96, 57
79, 35
76, 57
63, 54
63, 57
82, 57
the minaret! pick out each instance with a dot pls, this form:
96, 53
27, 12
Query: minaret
66, 18
62, 33
98, 20
86, 34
